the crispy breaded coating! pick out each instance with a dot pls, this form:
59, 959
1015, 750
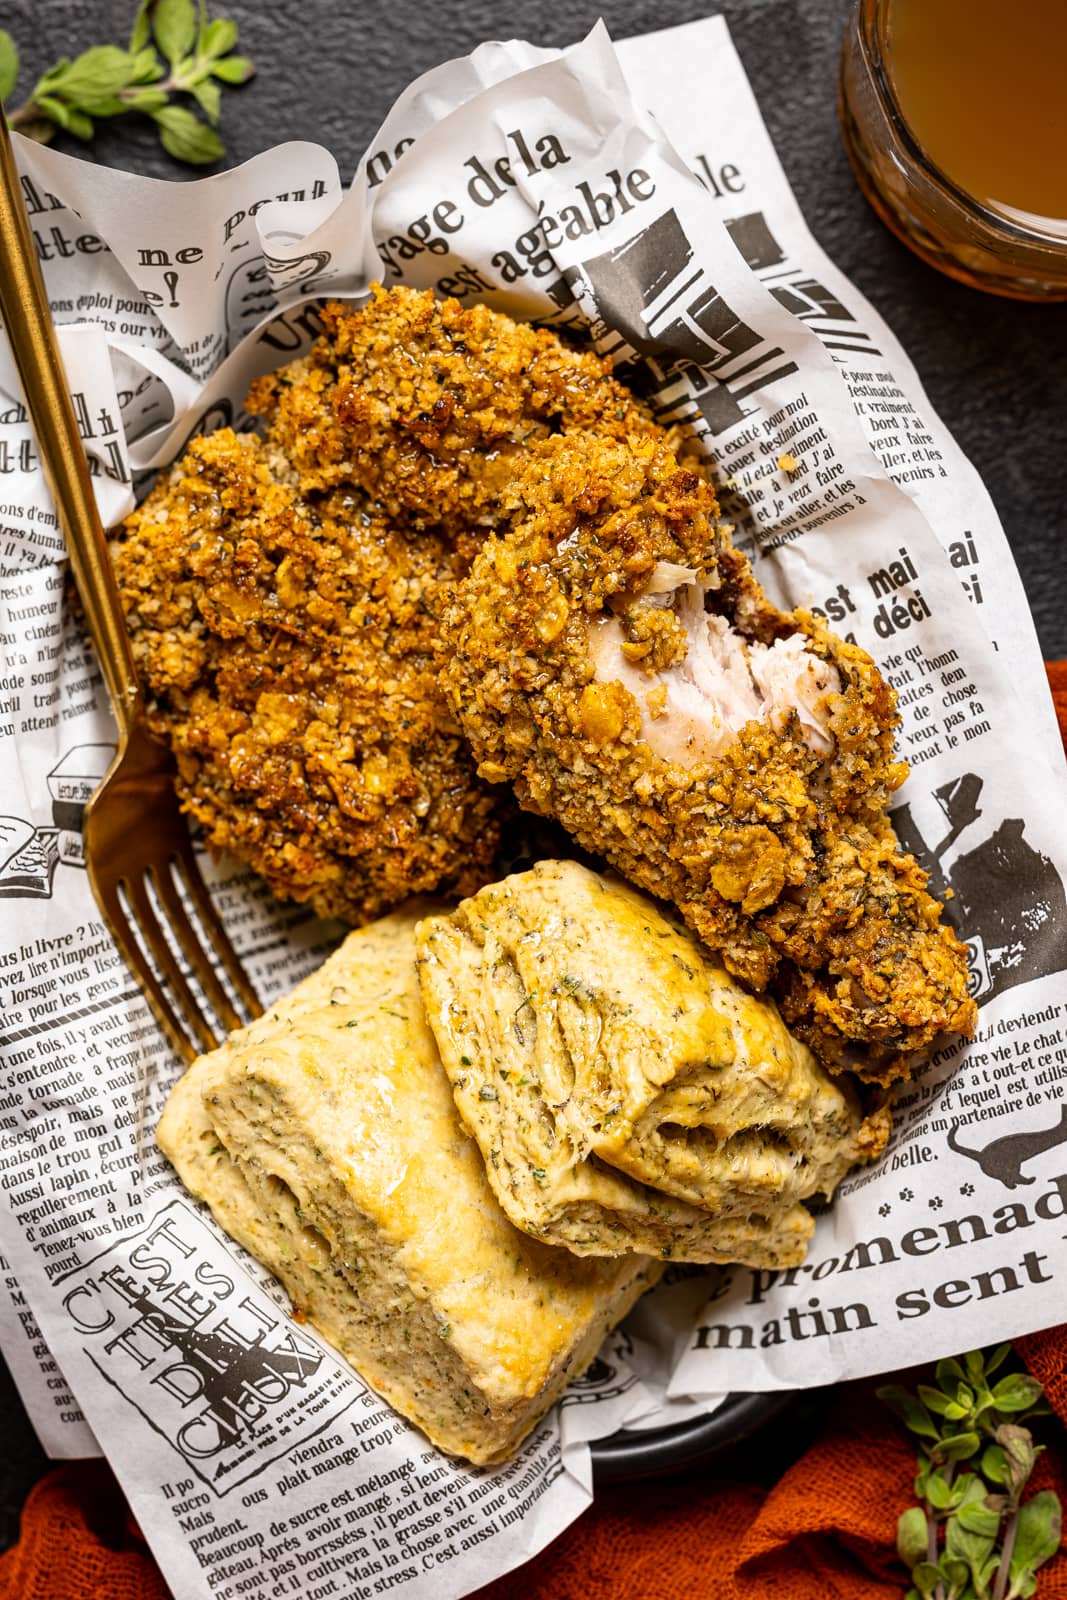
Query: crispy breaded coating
866, 945
431, 406
287, 644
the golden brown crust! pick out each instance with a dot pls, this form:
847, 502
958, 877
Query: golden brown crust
870, 976
288, 645
427, 404
416, 438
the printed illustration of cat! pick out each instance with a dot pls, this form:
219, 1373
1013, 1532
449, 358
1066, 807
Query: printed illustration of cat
1004, 1158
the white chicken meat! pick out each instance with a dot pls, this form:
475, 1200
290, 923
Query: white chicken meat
693, 710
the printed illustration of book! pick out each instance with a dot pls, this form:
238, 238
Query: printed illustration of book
28, 858
72, 781
71, 849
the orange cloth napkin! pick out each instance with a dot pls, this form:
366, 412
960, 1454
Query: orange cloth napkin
825, 1531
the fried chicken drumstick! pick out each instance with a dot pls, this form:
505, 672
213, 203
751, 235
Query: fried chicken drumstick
610, 654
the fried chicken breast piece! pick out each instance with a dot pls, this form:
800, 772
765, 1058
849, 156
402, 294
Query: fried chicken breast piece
287, 646
611, 655
625, 1092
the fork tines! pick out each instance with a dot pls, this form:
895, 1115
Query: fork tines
148, 914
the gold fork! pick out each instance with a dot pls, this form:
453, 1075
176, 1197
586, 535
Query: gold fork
137, 845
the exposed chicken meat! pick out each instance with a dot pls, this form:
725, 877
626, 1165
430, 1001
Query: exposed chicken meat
693, 709
793, 681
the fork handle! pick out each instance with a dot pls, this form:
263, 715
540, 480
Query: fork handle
27, 320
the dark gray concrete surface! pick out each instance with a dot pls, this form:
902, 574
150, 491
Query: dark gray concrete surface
328, 71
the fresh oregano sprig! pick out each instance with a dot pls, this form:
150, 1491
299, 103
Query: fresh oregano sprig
108, 81
973, 1536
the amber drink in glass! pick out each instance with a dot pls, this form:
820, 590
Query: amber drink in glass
954, 115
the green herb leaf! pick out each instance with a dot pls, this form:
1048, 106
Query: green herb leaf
914, 1415
187, 71
959, 1447
79, 124
1017, 1392
208, 97
185, 137
973, 1550
1037, 1538
147, 67
217, 38
986, 1575
234, 69
977, 1518
975, 1364
912, 1536
95, 74
141, 31
994, 1465
147, 100
938, 1491
1019, 1454
960, 1489
933, 1399
956, 1574
926, 1578
949, 1374
9, 64
174, 24
109, 105
53, 108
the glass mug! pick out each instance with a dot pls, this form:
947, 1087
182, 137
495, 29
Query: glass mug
954, 116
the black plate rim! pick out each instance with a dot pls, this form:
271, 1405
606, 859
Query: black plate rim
628, 1456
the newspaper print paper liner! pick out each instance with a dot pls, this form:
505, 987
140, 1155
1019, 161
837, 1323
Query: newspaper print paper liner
245, 1446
